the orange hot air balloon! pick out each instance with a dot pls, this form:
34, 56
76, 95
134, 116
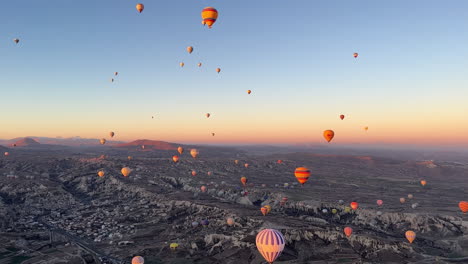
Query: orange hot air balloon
341, 117
243, 180
463, 206
175, 158
181, 64
302, 174
209, 16
100, 173
199, 64
180, 150
279, 161
423, 182
366, 128
218, 70
268, 207
264, 211
348, 231
189, 49
102, 141
354, 205
246, 165
111, 134
203, 188
194, 153
270, 243
410, 235
402, 200
328, 135
236, 162
140, 7
138, 260
126, 171
249, 92
129, 158
355, 55
194, 173
230, 221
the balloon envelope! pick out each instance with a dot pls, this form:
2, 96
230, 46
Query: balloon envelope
209, 16
354, 205
302, 174
463, 206
270, 244
138, 260
140, 7
348, 231
126, 171
328, 135
410, 235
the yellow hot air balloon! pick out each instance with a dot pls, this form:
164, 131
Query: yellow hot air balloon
102, 141
111, 134
126, 171
218, 70
138, 260
140, 7
173, 246
189, 49
268, 207
101, 173
194, 153
181, 64
209, 16
410, 235
180, 150
328, 135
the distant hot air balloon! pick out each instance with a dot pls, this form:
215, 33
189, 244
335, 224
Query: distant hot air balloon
463, 206
129, 158
410, 196
194, 173
348, 231
194, 153
16, 40
355, 55
112, 80
175, 158
138, 260
264, 210
140, 7
279, 161
410, 235
116, 73
189, 49
210, 173
366, 128
334, 211
341, 117
101, 173
203, 188
270, 244
209, 16
423, 182
236, 162
126, 171
102, 141
302, 174
243, 180
213, 134
379, 202
199, 64
180, 150
230, 221
142, 146
7, 154
207, 115
246, 165
402, 200
354, 205
328, 135
111, 134
181, 64
249, 91
218, 70
173, 246
268, 207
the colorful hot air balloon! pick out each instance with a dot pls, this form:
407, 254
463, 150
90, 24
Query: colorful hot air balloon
181, 64
126, 171
138, 260
173, 246
209, 16
348, 231
341, 117
379, 202
423, 182
270, 244
111, 134
140, 7
142, 146
410, 235
16, 40
249, 91
302, 174
199, 64
194, 153
100, 173
328, 135
102, 141
218, 70
463, 206
230, 221
194, 173
354, 205
203, 188
268, 207
355, 55
264, 210
243, 180
175, 158
189, 49
180, 150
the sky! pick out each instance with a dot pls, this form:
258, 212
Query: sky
408, 85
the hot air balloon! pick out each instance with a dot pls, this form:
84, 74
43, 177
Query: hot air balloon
138, 260
463, 206
116, 73
236, 162
111, 134
195, 224
230, 221
279, 161
7, 154
189, 49
264, 211
347, 209
334, 211
243, 180
140, 7
181, 64
173, 246
207, 115
354, 205
209, 173
402, 200
341, 117
218, 70
112, 80
194, 173
194, 153
129, 158
366, 128
423, 182
102, 141
199, 64
100, 173
410, 235
246, 165
180, 150
348, 231
175, 158
268, 207
355, 55
213, 134
379, 202
126, 171
410, 196
328, 135
14, 145
249, 91
302, 174
209, 16
142, 146
16, 40
203, 188
270, 244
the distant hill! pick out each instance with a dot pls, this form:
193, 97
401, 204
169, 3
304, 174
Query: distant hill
25, 142
149, 145
71, 142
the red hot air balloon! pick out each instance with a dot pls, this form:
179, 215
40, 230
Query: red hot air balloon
270, 244
264, 210
379, 202
348, 231
243, 180
302, 174
175, 158
463, 206
341, 117
354, 205
279, 161
194, 173
203, 188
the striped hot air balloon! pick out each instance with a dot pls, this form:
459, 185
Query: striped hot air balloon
270, 244
302, 174
209, 16
410, 235
463, 206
